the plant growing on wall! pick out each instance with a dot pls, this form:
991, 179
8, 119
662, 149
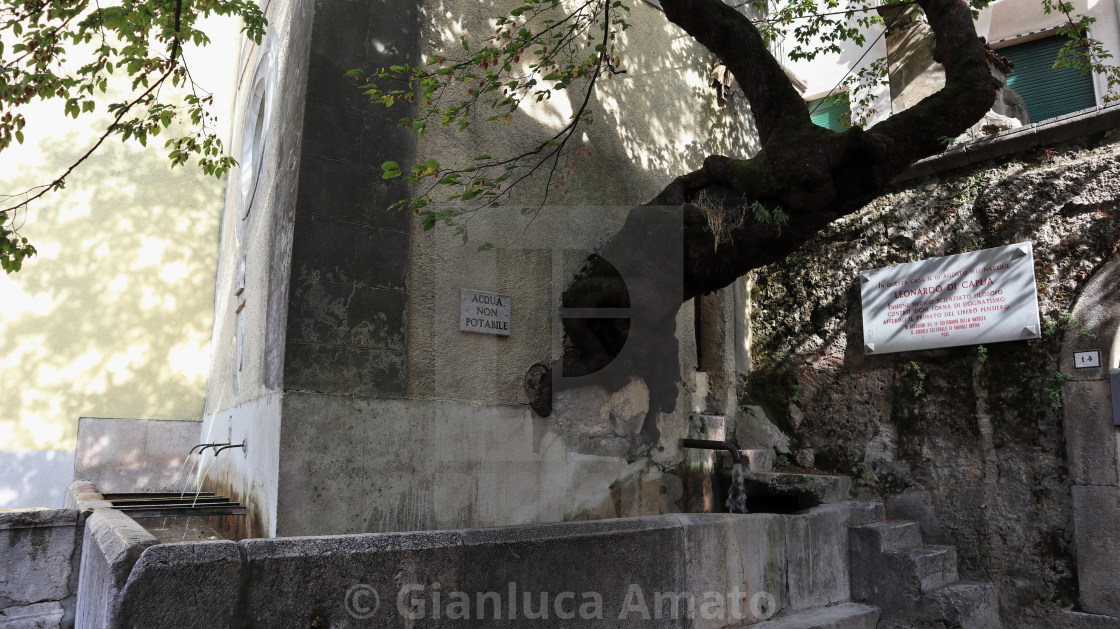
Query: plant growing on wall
810, 175
914, 377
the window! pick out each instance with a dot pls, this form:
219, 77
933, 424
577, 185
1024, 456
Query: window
830, 115
1048, 92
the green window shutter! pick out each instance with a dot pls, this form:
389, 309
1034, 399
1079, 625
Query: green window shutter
833, 116
1047, 92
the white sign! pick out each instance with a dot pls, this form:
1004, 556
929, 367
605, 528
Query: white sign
486, 313
979, 297
1086, 360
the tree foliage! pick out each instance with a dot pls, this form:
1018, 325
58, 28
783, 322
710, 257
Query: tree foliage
133, 48
725, 209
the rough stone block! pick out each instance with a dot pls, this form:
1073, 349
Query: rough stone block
963, 604
1090, 435
842, 616
627, 563
870, 551
112, 544
751, 564
38, 616
1067, 619
817, 557
195, 583
36, 549
883, 537
931, 566
759, 459
861, 512
1096, 522
76, 489
353, 580
916, 504
809, 489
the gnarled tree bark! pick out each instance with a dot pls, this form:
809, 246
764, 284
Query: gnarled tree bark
813, 175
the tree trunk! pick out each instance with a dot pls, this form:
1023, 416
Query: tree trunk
723, 220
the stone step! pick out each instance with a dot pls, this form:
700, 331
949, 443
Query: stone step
842, 616
884, 537
931, 567
964, 604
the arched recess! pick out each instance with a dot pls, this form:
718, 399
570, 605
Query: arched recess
1092, 441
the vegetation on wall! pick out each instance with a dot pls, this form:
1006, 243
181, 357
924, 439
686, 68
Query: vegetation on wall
72, 52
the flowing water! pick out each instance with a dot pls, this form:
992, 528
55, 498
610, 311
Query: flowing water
737, 494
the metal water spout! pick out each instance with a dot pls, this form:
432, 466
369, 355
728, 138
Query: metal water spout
228, 446
705, 444
202, 447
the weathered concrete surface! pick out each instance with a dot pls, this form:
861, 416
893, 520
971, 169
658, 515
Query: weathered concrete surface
112, 544
696, 571
842, 616
36, 556
962, 604
817, 557
1097, 521
752, 429
1076, 620
1091, 440
1090, 436
167, 579
293, 581
761, 566
915, 585
453, 464
809, 489
123, 455
36, 616
979, 456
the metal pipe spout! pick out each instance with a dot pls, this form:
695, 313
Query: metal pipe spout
228, 446
705, 444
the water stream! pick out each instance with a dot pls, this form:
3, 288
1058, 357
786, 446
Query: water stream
737, 493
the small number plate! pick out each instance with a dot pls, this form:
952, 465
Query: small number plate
1086, 360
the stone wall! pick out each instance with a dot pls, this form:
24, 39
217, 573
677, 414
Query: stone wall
38, 565
973, 447
623, 573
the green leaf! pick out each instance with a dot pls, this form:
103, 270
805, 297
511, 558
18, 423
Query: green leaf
486, 246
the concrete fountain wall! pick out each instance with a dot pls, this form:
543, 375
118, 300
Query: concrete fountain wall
337, 353
624, 572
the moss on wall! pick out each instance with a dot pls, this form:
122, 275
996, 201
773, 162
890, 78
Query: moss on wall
974, 450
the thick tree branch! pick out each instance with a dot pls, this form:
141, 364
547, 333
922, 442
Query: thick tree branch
732, 37
970, 89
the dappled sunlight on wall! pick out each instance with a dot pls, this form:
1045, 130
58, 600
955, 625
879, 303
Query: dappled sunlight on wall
113, 317
657, 120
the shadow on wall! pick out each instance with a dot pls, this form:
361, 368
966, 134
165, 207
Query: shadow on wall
34, 478
113, 316
656, 121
